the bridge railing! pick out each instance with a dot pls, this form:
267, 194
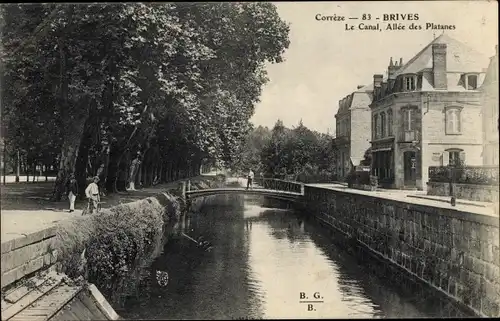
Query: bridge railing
279, 185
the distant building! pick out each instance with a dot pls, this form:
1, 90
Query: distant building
490, 113
353, 128
427, 113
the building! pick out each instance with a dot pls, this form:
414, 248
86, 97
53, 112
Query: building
427, 113
490, 113
353, 129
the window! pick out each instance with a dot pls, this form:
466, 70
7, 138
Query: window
409, 83
469, 81
456, 157
408, 119
376, 125
389, 122
453, 121
382, 125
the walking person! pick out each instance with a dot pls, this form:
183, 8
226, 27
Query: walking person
72, 191
250, 179
92, 193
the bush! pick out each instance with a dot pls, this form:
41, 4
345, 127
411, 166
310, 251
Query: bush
117, 242
478, 175
359, 178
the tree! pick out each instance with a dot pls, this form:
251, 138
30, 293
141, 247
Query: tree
367, 158
98, 101
299, 153
251, 150
273, 157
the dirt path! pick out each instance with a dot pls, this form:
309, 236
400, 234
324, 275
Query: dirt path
26, 207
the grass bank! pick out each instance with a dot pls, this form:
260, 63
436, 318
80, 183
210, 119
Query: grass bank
112, 249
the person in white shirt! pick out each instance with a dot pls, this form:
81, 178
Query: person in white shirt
250, 179
92, 193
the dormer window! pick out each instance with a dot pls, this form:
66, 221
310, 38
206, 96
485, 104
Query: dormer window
410, 83
471, 82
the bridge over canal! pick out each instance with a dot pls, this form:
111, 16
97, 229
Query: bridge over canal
273, 188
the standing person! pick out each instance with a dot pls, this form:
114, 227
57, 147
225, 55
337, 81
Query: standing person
134, 169
250, 179
72, 190
92, 193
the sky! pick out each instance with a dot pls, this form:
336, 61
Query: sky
325, 63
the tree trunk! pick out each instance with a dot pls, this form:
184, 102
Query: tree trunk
18, 166
4, 163
69, 154
113, 169
102, 172
169, 171
160, 172
81, 163
34, 171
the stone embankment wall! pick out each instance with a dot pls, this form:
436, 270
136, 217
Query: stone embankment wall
23, 256
455, 252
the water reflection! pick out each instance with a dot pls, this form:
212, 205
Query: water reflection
260, 261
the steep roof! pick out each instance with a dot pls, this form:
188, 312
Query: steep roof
492, 71
366, 88
351, 99
459, 58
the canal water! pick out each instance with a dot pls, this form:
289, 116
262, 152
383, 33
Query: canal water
255, 262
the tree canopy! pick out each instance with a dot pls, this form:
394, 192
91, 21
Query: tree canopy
97, 83
295, 153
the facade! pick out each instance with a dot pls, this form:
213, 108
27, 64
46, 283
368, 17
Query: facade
490, 113
353, 128
427, 113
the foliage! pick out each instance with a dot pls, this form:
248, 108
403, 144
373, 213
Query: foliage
358, 177
115, 242
461, 174
367, 158
176, 81
298, 153
251, 150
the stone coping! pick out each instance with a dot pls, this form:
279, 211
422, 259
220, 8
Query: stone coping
30, 238
462, 212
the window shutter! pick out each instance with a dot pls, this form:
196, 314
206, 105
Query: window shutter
446, 158
458, 119
415, 119
447, 122
462, 158
405, 119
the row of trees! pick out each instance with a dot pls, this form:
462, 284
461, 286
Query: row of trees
91, 85
297, 154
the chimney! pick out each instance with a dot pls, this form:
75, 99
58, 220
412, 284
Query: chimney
377, 84
377, 80
391, 69
400, 62
439, 65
